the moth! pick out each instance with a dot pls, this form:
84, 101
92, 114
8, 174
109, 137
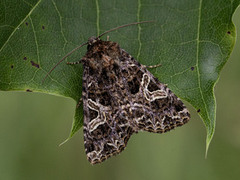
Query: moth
121, 97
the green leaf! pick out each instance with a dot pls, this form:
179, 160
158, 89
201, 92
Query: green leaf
192, 39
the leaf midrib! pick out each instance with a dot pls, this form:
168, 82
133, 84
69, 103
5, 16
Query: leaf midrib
98, 16
197, 55
139, 29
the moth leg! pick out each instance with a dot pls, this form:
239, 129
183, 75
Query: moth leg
73, 63
79, 103
153, 66
107, 38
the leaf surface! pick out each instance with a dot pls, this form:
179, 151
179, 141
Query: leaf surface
192, 39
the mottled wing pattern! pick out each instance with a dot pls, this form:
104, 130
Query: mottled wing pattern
121, 97
106, 129
155, 107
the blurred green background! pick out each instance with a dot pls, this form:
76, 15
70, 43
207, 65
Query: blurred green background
32, 125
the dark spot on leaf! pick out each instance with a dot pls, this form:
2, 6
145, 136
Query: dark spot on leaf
34, 64
25, 58
26, 23
12, 66
28, 90
43, 27
229, 32
198, 110
192, 68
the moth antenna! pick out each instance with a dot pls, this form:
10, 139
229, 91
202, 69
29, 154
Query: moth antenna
125, 25
68, 54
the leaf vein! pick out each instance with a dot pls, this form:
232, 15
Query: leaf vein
35, 37
17, 27
60, 21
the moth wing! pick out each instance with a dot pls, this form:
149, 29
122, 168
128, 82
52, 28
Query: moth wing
121, 97
156, 108
106, 132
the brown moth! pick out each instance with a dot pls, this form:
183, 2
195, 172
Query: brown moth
121, 97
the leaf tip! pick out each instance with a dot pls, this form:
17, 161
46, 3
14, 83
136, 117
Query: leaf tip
208, 141
64, 141
206, 152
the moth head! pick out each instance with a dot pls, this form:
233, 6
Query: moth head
92, 40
